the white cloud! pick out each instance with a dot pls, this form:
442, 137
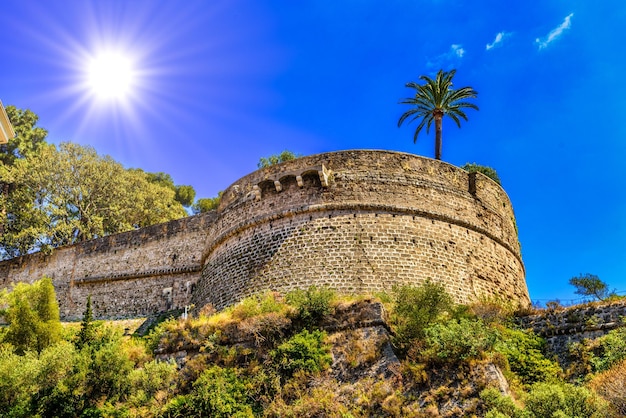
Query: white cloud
500, 37
455, 52
555, 33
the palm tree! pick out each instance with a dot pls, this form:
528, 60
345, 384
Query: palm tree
433, 100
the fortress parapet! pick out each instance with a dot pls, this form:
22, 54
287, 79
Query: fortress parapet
356, 221
362, 221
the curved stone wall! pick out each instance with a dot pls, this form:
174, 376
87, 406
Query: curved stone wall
362, 221
357, 221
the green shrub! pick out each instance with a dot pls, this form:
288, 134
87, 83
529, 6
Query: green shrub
498, 405
487, 171
415, 309
304, 351
18, 381
218, 392
155, 376
108, 373
611, 350
311, 304
33, 316
547, 400
524, 352
564, 400
277, 158
458, 340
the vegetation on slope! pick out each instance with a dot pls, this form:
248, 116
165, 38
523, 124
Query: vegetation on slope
308, 353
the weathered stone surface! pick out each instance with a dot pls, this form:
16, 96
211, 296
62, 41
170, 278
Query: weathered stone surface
356, 221
385, 218
561, 328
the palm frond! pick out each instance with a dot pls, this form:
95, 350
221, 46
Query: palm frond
436, 94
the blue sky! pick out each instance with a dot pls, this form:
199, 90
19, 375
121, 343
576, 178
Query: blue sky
218, 84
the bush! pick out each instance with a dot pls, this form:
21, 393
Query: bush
33, 316
497, 404
598, 355
312, 304
487, 171
524, 352
547, 400
612, 349
277, 159
218, 392
415, 309
564, 400
458, 340
304, 351
18, 381
156, 380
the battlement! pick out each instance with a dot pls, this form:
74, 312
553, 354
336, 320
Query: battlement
357, 221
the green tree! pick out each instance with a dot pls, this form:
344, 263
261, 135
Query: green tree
87, 330
29, 137
277, 159
487, 171
185, 195
433, 100
72, 194
590, 285
207, 204
15, 200
32, 314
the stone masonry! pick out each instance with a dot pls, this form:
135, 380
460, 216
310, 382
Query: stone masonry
356, 221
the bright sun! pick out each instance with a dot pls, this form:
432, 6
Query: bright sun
111, 75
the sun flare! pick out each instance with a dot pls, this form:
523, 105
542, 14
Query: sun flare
110, 75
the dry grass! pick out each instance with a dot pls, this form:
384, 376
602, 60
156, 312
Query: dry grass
611, 385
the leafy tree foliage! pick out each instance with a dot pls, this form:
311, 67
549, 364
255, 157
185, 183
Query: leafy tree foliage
52, 196
32, 314
71, 194
207, 204
87, 329
590, 285
277, 159
15, 200
185, 195
487, 171
29, 137
435, 99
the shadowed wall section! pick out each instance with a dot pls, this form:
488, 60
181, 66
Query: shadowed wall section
362, 221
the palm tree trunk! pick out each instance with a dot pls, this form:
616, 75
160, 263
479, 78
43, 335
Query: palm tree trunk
438, 122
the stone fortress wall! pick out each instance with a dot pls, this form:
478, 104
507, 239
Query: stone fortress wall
357, 221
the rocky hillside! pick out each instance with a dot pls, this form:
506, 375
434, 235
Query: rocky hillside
411, 353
